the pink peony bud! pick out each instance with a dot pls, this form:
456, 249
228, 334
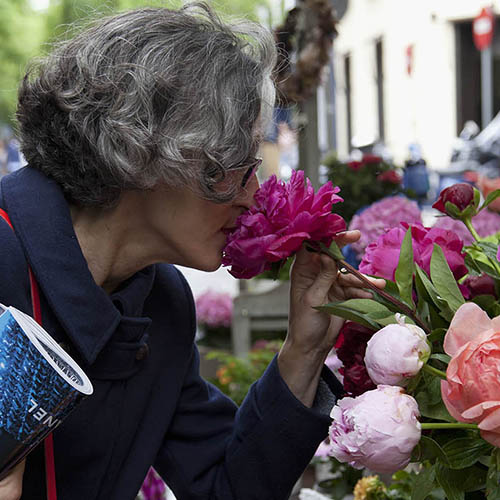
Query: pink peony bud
377, 430
396, 353
461, 195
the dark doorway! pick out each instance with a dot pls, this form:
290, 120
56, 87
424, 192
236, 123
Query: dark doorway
380, 89
348, 99
468, 64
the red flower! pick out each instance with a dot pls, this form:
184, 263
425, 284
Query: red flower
371, 159
389, 176
351, 347
355, 165
479, 285
461, 195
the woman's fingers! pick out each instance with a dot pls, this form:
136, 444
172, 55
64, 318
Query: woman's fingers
325, 279
11, 487
347, 237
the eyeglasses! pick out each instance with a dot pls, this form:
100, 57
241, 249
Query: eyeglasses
251, 167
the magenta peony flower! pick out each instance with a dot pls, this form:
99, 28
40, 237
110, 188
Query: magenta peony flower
214, 309
485, 223
381, 257
377, 430
284, 216
382, 215
396, 353
153, 487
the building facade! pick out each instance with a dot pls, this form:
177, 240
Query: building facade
407, 71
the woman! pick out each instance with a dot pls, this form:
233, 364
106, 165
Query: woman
140, 135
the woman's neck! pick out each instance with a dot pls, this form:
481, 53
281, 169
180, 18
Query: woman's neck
113, 241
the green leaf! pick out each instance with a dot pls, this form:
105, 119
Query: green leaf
444, 281
430, 402
423, 483
428, 449
488, 248
459, 481
448, 482
490, 198
276, 268
335, 251
437, 335
337, 309
452, 210
372, 312
405, 269
493, 476
441, 357
433, 294
466, 451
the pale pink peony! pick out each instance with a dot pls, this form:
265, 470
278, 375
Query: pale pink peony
381, 257
471, 391
396, 353
485, 223
214, 308
377, 430
323, 450
382, 215
283, 217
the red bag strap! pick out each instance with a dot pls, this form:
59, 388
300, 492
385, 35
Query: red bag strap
50, 469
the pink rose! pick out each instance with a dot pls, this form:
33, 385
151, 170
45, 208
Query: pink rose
377, 430
396, 353
283, 217
471, 391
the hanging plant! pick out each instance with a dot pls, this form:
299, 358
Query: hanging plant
304, 41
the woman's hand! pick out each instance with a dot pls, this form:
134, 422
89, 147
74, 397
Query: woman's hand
315, 281
11, 487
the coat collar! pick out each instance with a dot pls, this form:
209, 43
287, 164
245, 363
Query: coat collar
41, 219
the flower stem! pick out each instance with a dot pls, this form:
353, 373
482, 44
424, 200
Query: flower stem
458, 425
471, 229
434, 371
403, 308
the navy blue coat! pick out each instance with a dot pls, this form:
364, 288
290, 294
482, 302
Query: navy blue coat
150, 406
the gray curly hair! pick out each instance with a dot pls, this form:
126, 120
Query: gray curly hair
148, 97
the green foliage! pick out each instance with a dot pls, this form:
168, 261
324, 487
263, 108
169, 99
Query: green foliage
404, 271
236, 374
359, 183
26, 34
21, 32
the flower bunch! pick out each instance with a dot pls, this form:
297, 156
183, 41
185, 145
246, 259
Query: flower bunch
382, 215
362, 182
283, 217
436, 398
421, 359
214, 309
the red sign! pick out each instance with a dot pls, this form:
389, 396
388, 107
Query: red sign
409, 59
482, 29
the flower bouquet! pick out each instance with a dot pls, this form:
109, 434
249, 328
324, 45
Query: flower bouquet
423, 383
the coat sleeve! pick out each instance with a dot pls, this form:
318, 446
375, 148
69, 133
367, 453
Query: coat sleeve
215, 451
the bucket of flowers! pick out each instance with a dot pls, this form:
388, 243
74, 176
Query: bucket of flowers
214, 313
428, 343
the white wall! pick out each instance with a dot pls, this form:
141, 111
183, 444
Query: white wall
418, 108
